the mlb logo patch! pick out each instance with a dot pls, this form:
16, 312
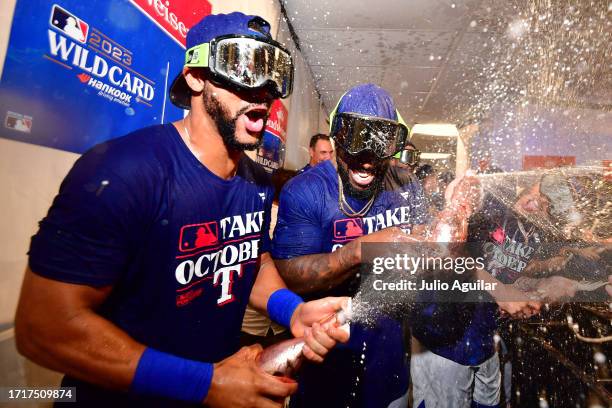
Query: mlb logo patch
348, 228
198, 236
69, 24
499, 235
17, 121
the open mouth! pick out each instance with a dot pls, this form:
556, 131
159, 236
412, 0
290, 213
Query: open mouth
361, 177
255, 119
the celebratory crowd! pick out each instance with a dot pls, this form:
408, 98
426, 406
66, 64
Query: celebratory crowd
140, 274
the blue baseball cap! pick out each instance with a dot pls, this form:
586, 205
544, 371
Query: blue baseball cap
368, 99
210, 27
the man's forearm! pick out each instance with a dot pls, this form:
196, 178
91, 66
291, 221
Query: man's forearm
486, 277
525, 284
89, 348
267, 282
58, 331
317, 272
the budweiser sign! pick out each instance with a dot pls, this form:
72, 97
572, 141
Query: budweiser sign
175, 17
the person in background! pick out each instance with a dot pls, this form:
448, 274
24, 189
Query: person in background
430, 180
408, 158
446, 177
320, 149
401, 167
526, 249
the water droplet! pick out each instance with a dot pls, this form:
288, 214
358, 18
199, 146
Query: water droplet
599, 357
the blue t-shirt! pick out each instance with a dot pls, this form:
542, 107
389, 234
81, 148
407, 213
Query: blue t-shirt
461, 332
179, 245
305, 168
507, 244
371, 370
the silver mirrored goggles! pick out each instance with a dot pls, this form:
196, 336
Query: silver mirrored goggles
409, 157
356, 133
246, 62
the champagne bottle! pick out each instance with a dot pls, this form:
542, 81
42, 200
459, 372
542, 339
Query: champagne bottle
285, 358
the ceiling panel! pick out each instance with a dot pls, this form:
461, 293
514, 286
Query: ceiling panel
413, 14
435, 56
376, 47
413, 100
406, 79
334, 78
330, 98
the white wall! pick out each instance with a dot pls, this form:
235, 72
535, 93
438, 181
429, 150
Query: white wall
544, 131
29, 179
305, 112
30, 175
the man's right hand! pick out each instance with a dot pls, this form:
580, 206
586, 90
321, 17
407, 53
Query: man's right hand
391, 234
239, 383
515, 303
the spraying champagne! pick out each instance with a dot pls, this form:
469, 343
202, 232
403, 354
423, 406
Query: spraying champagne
285, 358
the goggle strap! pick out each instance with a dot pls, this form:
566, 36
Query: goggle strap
197, 56
332, 115
401, 120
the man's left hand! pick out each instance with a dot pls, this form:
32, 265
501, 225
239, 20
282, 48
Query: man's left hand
315, 323
464, 195
556, 288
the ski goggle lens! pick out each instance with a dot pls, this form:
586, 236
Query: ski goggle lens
409, 157
246, 62
356, 133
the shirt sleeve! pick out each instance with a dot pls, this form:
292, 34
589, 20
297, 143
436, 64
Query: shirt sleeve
298, 231
420, 214
412, 193
88, 233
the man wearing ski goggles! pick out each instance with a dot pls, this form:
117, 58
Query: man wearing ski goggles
324, 215
170, 338
243, 61
365, 145
409, 157
356, 133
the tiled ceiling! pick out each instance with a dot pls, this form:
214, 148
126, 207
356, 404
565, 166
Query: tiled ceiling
433, 56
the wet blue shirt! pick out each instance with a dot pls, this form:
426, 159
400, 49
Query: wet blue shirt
507, 245
371, 370
178, 244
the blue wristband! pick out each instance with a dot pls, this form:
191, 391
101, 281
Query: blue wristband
281, 305
173, 377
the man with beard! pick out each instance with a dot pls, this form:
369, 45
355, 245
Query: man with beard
324, 216
140, 273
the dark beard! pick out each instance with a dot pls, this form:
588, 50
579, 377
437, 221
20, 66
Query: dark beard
226, 124
360, 194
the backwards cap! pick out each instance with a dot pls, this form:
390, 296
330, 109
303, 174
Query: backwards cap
368, 99
210, 27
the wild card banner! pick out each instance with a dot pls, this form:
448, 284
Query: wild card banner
81, 72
